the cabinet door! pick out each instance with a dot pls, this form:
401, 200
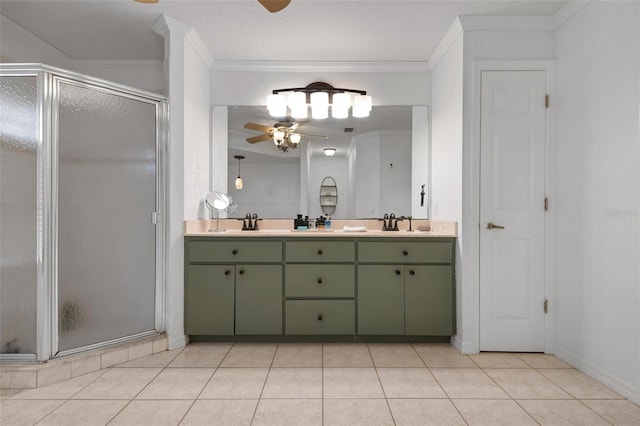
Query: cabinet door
429, 300
258, 299
381, 299
209, 299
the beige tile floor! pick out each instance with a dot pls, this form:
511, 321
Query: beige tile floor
330, 384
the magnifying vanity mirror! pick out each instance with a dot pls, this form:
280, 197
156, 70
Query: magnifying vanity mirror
375, 164
217, 202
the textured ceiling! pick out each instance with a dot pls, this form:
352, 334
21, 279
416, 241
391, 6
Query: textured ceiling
241, 30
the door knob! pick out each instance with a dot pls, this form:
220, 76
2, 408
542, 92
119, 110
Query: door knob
492, 226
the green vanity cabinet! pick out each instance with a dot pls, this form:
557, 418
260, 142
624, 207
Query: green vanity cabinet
209, 299
258, 299
294, 288
233, 286
411, 293
320, 287
381, 299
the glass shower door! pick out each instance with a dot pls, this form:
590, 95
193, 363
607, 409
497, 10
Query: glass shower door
106, 191
18, 215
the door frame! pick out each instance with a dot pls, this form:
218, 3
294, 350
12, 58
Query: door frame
470, 268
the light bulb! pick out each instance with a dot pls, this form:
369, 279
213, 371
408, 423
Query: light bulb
238, 182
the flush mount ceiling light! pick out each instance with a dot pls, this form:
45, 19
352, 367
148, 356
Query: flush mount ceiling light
239, 179
319, 96
329, 151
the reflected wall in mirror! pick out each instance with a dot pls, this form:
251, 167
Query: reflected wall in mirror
372, 164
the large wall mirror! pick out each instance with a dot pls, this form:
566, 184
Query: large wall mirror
372, 164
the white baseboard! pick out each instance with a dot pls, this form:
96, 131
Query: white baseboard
626, 389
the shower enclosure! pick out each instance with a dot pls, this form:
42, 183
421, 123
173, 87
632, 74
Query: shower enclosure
81, 198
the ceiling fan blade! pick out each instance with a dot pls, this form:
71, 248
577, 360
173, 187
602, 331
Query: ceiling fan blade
274, 6
256, 139
258, 127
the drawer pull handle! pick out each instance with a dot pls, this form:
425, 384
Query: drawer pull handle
241, 272
234, 251
412, 272
227, 272
320, 317
398, 272
319, 280
405, 253
320, 252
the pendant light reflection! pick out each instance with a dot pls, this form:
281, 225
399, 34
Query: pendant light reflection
239, 182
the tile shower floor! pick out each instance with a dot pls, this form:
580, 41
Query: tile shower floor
330, 384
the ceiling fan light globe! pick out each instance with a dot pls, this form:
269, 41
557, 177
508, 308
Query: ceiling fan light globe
278, 136
294, 138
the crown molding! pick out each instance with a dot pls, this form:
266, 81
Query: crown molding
166, 24
522, 23
193, 38
568, 11
452, 34
320, 66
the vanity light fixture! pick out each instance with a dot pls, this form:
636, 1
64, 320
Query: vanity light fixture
329, 151
319, 96
239, 179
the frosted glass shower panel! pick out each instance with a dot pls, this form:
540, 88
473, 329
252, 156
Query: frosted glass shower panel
106, 195
18, 214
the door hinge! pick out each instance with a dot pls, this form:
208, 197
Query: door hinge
546, 101
546, 204
155, 217
546, 306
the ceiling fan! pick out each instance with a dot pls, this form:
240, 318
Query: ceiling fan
274, 6
283, 134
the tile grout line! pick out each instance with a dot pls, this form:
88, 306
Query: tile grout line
205, 385
375, 368
255, 410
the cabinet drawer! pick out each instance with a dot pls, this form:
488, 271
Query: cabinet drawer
320, 251
405, 252
320, 317
234, 251
319, 280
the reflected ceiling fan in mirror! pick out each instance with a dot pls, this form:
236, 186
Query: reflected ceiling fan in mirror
274, 6
283, 134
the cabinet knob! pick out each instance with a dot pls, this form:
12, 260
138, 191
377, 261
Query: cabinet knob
405, 253
320, 251
241, 272
234, 251
320, 317
319, 280
412, 272
227, 272
398, 272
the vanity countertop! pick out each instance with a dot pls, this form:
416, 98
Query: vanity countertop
283, 228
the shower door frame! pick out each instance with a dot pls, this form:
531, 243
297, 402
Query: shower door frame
47, 81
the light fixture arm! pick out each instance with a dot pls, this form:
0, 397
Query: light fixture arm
318, 86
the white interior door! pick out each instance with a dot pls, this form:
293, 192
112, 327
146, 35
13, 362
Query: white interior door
513, 117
